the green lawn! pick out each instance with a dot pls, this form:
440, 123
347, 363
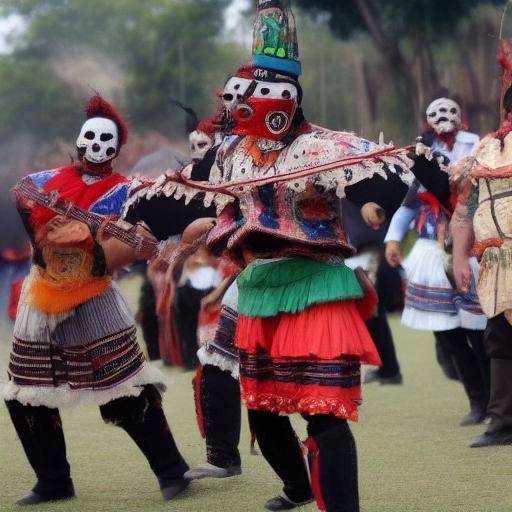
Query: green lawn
413, 456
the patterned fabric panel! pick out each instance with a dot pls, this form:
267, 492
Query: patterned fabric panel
39, 179
98, 365
440, 300
224, 341
338, 373
112, 202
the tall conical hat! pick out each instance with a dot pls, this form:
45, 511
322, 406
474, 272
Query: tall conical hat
275, 38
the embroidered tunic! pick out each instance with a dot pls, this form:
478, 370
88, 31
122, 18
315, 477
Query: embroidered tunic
491, 184
74, 335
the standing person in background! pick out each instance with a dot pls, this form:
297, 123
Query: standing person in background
482, 224
431, 302
367, 237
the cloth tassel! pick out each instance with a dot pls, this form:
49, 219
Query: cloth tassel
313, 461
196, 383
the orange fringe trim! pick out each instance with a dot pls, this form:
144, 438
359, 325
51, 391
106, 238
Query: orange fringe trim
480, 247
54, 298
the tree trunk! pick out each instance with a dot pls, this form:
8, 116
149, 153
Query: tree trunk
405, 84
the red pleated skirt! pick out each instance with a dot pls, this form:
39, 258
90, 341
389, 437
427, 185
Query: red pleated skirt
308, 362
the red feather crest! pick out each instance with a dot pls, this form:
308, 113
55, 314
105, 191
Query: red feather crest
98, 107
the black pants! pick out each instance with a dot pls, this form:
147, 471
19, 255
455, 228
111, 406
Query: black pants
41, 435
466, 348
187, 304
388, 286
380, 332
498, 341
337, 458
221, 407
149, 322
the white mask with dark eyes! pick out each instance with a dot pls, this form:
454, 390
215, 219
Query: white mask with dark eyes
275, 91
98, 140
233, 91
200, 143
444, 115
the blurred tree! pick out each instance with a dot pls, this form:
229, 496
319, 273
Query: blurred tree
395, 26
162, 47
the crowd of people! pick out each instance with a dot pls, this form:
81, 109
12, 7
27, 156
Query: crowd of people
278, 251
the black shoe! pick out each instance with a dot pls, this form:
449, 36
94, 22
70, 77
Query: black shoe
474, 417
284, 503
394, 380
499, 437
32, 498
172, 489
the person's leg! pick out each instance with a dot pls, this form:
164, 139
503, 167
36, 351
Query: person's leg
477, 342
334, 463
144, 420
40, 432
456, 343
445, 360
221, 410
282, 450
498, 336
383, 339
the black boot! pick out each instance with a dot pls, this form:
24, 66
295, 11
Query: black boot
219, 398
338, 479
500, 406
143, 419
40, 432
281, 448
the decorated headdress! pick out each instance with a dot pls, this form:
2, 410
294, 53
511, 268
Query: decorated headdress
98, 107
505, 60
275, 44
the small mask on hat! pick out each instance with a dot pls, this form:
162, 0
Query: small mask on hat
200, 143
444, 116
98, 141
233, 91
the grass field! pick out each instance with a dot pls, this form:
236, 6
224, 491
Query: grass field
413, 457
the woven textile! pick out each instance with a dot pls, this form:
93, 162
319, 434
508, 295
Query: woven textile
97, 365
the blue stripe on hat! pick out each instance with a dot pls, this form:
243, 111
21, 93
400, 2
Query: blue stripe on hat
292, 67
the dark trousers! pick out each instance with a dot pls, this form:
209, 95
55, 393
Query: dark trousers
221, 407
388, 285
380, 332
337, 458
498, 341
40, 432
466, 348
187, 304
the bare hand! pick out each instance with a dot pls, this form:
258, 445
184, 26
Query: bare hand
393, 254
373, 215
462, 275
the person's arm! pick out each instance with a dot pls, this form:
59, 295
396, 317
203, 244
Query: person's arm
168, 217
461, 227
397, 230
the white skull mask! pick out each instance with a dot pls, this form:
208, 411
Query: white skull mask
200, 143
98, 140
444, 115
233, 92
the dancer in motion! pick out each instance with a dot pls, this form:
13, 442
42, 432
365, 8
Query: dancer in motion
74, 337
432, 302
301, 335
